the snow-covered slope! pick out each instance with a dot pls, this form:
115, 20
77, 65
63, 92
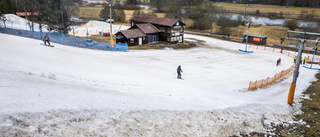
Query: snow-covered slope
94, 27
16, 22
67, 91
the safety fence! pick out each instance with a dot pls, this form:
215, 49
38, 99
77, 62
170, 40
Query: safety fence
268, 81
289, 54
67, 40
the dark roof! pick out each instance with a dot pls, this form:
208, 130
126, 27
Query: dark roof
28, 13
147, 28
155, 20
255, 36
133, 33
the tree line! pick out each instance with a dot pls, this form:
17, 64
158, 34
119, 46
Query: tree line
54, 13
295, 3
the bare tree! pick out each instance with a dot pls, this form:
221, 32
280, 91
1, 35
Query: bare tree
291, 24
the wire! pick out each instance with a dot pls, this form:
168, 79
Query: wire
255, 11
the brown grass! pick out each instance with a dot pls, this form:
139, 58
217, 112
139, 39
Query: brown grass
94, 12
90, 12
291, 11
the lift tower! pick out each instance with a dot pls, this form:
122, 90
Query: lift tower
298, 61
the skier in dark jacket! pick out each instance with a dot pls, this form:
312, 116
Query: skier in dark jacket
278, 61
179, 70
46, 39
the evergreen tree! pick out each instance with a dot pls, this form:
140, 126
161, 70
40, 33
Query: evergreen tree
56, 13
6, 7
131, 2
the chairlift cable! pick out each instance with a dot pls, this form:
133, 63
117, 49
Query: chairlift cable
255, 11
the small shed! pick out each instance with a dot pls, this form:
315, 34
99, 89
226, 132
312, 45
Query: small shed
132, 37
260, 40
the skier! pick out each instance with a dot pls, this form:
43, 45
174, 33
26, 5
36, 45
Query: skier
46, 39
278, 61
294, 59
179, 70
304, 60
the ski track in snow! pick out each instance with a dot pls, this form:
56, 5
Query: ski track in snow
67, 91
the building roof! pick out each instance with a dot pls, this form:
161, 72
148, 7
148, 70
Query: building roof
28, 13
147, 28
255, 36
133, 33
155, 20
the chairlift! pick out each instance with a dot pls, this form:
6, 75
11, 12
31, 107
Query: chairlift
315, 51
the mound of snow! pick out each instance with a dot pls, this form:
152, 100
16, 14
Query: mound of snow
94, 27
11, 18
16, 22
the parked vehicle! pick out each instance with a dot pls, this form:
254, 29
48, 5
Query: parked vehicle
108, 20
79, 21
73, 19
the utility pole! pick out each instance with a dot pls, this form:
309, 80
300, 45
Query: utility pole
248, 26
61, 11
301, 47
111, 40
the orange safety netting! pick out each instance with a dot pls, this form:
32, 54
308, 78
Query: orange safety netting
268, 81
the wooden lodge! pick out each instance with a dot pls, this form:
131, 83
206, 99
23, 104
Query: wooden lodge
154, 30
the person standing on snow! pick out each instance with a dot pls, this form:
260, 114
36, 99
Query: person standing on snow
279, 61
46, 39
295, 59
304, 60
179, 70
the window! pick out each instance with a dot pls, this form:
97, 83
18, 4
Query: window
131, 40
144, 38
175, 32
178, 23
174, 38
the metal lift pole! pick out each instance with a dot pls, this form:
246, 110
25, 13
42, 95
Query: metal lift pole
298, 61
295, 74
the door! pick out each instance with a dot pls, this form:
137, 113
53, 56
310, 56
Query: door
140, 41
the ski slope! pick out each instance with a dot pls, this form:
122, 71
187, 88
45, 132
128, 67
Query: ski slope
94, 27
16, 22
68, 91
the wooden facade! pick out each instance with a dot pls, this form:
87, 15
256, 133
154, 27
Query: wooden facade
156, 30
151, 31
131, 37
172, 34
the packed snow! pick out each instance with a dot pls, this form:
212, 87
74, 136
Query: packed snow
94, 27
67, 91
